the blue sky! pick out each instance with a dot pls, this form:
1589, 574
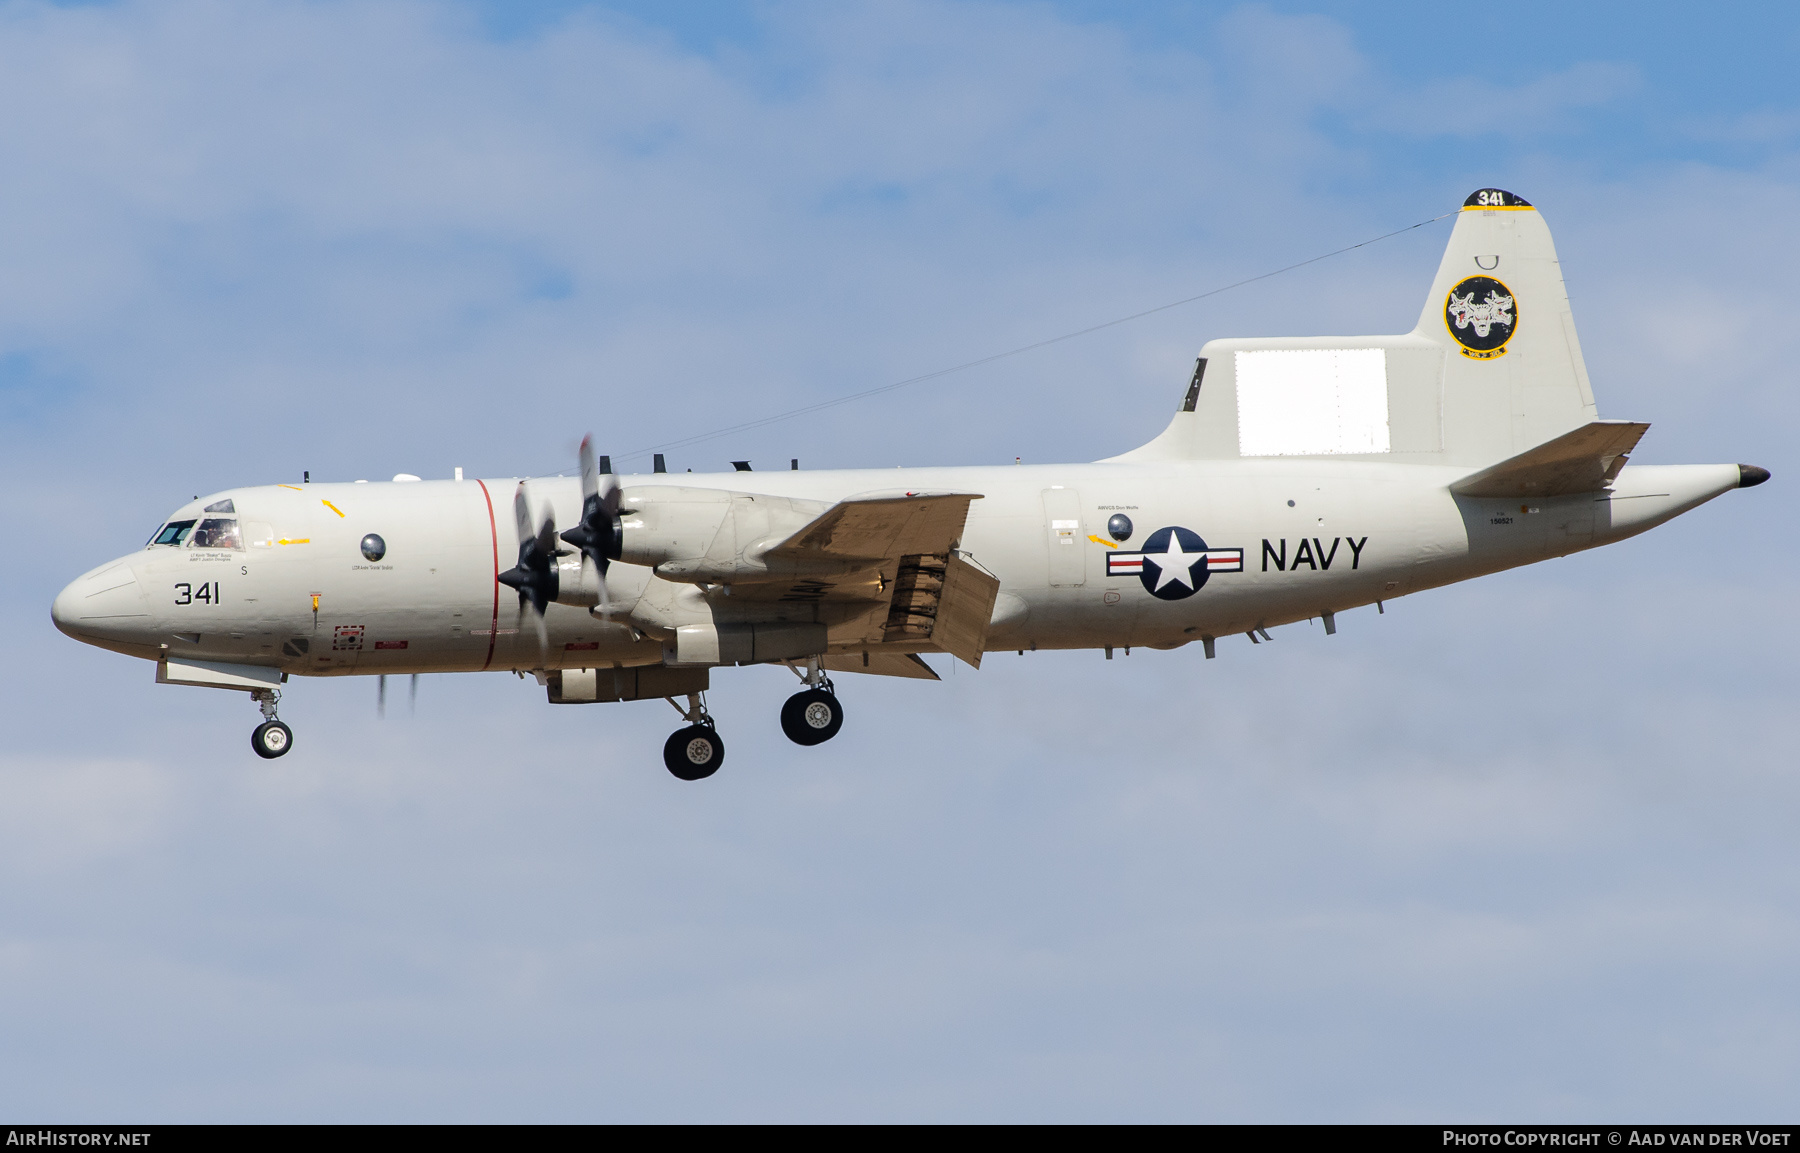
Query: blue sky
1517, 850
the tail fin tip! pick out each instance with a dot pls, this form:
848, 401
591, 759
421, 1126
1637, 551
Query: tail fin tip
1492, 198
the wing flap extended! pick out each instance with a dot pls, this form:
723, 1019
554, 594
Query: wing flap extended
897, 555
881, 664
1585, 460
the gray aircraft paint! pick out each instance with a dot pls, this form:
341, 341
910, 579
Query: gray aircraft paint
1326, 527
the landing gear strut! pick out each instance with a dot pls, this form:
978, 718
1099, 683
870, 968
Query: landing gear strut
271, 738
813, 715
695, 752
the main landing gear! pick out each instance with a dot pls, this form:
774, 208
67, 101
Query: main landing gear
813, 715
695, 752
271, 738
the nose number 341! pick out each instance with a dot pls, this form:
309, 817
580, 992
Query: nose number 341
205, 593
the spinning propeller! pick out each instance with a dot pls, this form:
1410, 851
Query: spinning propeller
535, 575
598, 533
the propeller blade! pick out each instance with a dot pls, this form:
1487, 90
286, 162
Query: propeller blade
381, 697
534, 577
522, 513
590, 472
597, 533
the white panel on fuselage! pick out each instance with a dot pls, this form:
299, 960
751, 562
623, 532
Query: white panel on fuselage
1312, 401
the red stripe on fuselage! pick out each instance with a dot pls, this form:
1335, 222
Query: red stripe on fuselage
494, 535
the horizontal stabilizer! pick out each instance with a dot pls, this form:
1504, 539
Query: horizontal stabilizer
1585, 460
881, 664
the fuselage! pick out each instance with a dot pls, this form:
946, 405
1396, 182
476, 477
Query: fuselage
283, 580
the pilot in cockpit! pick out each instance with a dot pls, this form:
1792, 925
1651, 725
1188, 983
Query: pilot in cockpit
213, 531
218, 532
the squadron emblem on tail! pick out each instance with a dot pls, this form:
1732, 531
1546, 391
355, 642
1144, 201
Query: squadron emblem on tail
1482, 315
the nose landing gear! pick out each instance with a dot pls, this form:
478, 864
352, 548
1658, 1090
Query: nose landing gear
271, 738
695, 752
813, 715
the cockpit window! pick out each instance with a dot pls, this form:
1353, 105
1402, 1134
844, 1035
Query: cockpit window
218, 532
220, 506
173, 533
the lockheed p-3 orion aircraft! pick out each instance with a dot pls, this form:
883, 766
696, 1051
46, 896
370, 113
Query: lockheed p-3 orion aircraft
1299, 478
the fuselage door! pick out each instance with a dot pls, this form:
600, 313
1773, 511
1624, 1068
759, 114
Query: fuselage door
1062, 519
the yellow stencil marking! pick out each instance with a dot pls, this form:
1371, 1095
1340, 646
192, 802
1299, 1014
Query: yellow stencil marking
295, 488
1103, 541
302, 540
332, 507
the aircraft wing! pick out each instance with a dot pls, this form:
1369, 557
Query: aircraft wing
881, 664
917, 591
883, 525
1585, 460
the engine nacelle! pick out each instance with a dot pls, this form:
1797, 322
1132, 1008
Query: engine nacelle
706, 536
746, 644
577, 581
661, 524
759, 563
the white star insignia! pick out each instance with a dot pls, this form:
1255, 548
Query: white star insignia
1174, 564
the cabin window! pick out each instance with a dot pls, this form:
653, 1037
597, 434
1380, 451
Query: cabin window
218, 532
173, 533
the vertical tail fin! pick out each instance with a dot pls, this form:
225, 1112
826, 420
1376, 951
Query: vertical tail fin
1513, 373
1492, 368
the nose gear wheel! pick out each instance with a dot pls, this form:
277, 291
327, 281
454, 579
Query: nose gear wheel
271, 739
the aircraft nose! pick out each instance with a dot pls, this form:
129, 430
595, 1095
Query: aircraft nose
104, 603
62, 609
